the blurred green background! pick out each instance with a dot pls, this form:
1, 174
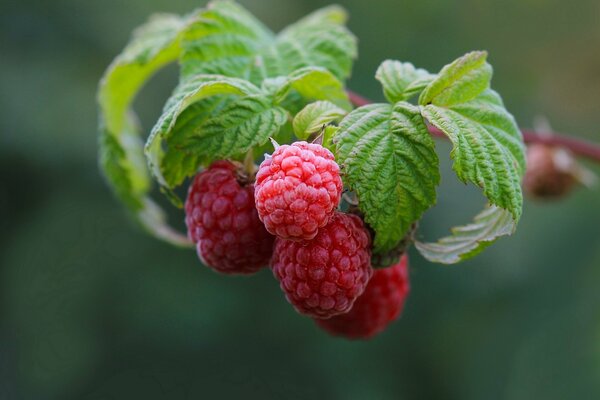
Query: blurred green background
92, 308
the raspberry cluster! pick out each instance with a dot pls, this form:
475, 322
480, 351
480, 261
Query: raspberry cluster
321, 257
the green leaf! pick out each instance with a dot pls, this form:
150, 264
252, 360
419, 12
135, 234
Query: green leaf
388, 159
487, 147
469, 240
226, 39
488, 150
313, 83
320, 39
459, 82
152, 46
185, 95
400, 80
241, 125
314, 117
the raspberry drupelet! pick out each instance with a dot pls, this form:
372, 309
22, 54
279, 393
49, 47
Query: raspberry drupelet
380, 304
297, 190
222, 220
323, 277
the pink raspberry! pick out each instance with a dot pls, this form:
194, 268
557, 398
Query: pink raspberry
324, 276
376, 308
297, 190
222, 220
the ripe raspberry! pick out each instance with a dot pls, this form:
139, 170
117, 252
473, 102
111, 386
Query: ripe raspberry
380, 304
324, 276
222, 220
297, 190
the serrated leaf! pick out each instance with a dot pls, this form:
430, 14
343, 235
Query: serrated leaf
487, 147
401, 81
314, 117
487, 150
226, 39
459, 82
469, 240
320, 39
185, 95
152, 46
388, 159
314, 83
239, 126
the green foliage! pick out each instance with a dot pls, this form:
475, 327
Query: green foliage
152, 46
314, 117
401, 81
487, 149
241, 84
389, 160
469, 240
225, 39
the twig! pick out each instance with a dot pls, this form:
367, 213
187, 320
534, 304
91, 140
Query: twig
578, 147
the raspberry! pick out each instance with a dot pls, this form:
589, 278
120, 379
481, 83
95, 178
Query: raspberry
380, 304
297, 190
222, 220
324, 276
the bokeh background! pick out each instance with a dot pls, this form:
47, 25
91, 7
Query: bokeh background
92, 308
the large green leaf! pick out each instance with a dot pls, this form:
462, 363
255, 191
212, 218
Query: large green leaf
388, 159
226, 39
152, 46
488, 148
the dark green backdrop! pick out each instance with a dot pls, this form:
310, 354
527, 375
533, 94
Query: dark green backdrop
91, 308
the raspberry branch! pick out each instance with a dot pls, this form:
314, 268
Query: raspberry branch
578, 147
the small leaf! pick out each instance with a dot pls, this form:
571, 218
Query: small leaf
314, 116
459, 82
313, 83
398, 80
152, 46
389, 160
469, 240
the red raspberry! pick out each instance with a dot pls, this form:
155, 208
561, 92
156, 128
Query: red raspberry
380, 304
324, 276
222, 220
297, 190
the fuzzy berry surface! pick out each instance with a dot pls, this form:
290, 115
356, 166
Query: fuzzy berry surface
221, 219
324, 276
380, 304
297, 190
